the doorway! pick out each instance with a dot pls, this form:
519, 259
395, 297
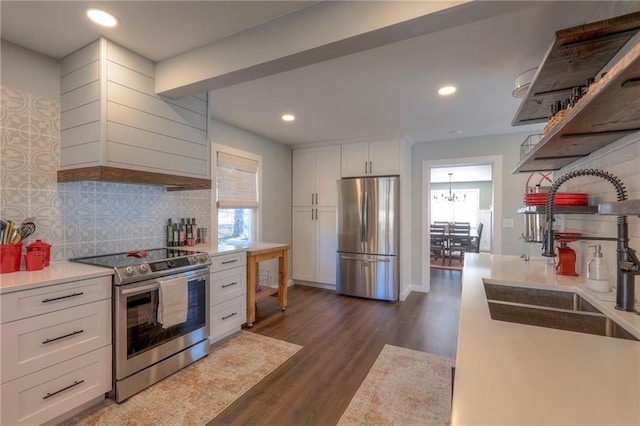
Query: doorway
488, 215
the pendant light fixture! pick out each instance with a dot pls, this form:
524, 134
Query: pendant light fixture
451, 197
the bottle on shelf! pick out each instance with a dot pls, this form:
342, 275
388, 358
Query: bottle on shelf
194, 231
182, 233
189, 232
176, 235
169, 234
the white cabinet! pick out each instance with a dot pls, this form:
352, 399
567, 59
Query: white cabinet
314, 241
56, 349
111, 117
315, 172
228, 294
380, 158
314, 244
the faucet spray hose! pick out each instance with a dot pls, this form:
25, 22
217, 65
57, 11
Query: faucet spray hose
617, 183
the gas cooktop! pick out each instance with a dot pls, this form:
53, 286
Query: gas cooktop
137, 265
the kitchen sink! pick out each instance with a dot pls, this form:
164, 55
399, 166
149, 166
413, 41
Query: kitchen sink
561, 310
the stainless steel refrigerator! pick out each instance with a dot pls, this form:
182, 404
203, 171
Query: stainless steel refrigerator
368, 237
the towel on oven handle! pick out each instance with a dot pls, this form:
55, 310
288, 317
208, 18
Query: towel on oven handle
173, 301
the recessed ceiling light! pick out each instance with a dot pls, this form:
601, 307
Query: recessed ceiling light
447, 90
288, 117
101, 17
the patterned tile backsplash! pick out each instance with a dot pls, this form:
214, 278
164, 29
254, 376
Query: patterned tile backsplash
77, 218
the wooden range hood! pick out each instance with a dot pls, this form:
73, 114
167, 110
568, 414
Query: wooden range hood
114, 174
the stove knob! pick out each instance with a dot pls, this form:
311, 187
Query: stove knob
192, 260
128, 271
203, 258
143, 268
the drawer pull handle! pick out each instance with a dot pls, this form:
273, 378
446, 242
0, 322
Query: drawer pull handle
73, 333
230, 284
62, 297
230, 315
75, 383
226, 262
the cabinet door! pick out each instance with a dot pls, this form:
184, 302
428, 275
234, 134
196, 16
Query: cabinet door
326, 245
303, 243
34, 343
42, 396
385, 158
327, 174
304, 173
226, 285
355, 159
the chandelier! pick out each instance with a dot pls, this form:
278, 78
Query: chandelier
451, 197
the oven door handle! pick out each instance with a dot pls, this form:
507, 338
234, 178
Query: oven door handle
141, 289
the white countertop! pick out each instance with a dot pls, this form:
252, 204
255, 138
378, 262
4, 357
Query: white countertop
61, 272
55, 273
515, 374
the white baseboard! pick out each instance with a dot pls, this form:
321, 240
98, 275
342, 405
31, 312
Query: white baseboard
317, 285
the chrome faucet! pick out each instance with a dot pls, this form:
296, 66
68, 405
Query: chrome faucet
627, 263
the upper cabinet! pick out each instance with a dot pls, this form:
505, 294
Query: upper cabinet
315, 172
114, 127
380, 158
609, 110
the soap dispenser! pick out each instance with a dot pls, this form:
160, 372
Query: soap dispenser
598, 272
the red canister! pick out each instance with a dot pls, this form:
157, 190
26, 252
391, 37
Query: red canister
34, 260
45, 248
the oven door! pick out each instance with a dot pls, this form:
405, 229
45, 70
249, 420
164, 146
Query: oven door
140, 340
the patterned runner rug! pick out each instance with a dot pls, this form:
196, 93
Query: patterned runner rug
199, 392
403, 387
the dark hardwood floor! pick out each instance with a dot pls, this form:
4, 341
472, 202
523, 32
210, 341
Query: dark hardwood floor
341, 338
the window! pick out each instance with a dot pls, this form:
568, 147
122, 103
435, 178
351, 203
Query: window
237, 183
464, 210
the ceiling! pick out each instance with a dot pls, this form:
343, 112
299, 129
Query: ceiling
387, 91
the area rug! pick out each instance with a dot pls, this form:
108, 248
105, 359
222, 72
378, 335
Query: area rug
403, 387
199, 392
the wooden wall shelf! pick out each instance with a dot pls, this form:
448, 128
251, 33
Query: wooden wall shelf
620, 208
114, 174
608, 112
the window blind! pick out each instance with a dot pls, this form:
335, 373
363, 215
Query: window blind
236, 182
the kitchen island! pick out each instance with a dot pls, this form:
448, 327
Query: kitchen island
509, 373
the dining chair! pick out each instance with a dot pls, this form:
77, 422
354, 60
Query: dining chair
474, 241
459, 239
438, 242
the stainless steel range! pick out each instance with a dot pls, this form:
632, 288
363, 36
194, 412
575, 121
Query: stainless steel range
147, 345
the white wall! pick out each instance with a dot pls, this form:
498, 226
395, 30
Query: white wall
76, 218
29, 71
622, 159
506, 146
276, 176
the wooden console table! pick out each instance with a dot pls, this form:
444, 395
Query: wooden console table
259, 252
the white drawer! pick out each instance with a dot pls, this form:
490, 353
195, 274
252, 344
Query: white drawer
228, 261
49, 393
38, 342
27, 303
227, 284
227, 317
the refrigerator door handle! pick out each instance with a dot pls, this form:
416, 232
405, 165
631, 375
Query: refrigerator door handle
366, 216
364, 229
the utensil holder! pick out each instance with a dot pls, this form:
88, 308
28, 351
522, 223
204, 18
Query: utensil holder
10, 255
